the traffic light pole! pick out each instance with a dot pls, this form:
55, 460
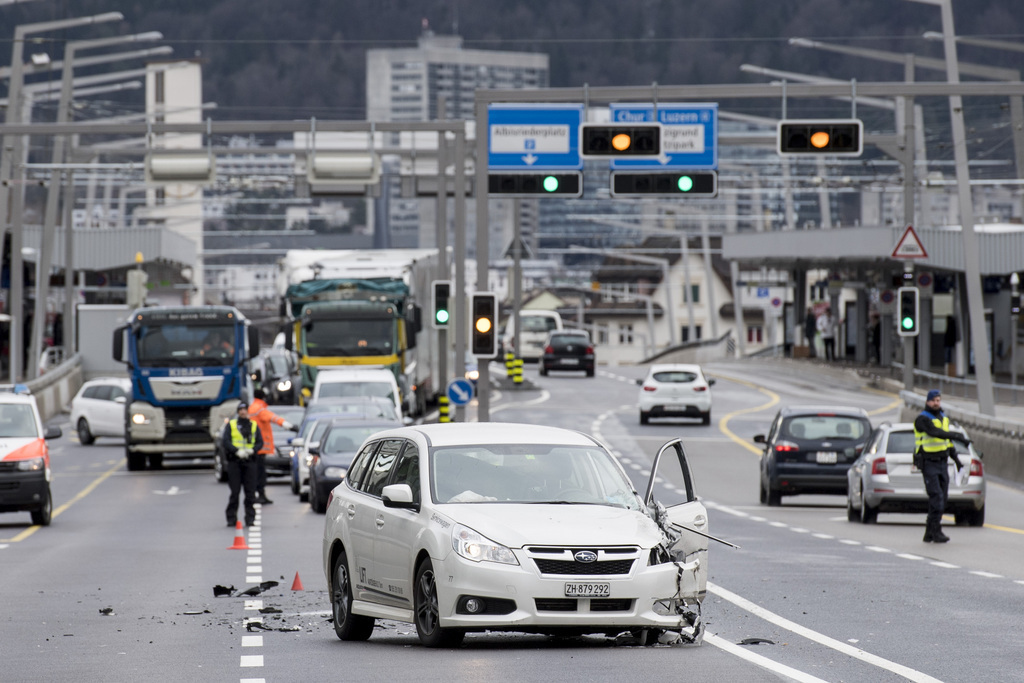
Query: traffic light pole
441, 223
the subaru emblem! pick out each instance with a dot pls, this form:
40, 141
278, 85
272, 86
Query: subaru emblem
586, 556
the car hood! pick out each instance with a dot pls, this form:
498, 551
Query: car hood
21, 448
516, 525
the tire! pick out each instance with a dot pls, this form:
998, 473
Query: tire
156, 461
868, 514
590, 372
764, 493
644, 419
428, 623
85, 436
347, 626
220, 470
43, 515
970, 517
136, 461
315, 502
705, 418
295, 484
774, 497
851, 514
542, 370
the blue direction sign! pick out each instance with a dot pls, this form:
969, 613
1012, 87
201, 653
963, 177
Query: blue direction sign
534, 136
689, 135
460, 391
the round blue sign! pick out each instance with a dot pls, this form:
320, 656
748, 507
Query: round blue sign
460, 391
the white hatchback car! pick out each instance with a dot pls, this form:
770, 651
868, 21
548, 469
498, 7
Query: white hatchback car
497, 526
98, 409
675, 390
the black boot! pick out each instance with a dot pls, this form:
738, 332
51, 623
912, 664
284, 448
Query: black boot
938, 536
928, 534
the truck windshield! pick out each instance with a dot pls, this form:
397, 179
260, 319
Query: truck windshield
356, 337
17, 421
183, 344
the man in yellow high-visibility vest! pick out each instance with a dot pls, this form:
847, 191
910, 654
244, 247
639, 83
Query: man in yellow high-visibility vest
933, 447
241, 442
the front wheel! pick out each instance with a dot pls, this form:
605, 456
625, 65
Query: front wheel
43, 515
85, 436
136, 461
428, 621
220, 471
347, 626
705, 418
315, 499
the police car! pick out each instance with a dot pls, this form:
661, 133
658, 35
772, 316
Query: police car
24, 456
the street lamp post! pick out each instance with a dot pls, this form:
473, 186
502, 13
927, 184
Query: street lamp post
11, 155
47, 237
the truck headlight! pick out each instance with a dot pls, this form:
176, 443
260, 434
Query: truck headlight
31, 465
140, 419
284, 385
478, 548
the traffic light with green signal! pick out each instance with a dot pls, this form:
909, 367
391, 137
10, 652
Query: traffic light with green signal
483, 316
620, 141
665, 184
907, 311
535, 184
836, 137
441, 303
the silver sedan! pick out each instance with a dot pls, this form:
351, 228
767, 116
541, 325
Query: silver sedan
884, 479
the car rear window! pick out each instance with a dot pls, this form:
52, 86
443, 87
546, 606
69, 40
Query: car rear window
675, 376
900, 442
826, 427
534, 323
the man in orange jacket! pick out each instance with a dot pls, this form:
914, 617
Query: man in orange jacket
264, 417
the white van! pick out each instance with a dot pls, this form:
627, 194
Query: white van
377, 382
536, 325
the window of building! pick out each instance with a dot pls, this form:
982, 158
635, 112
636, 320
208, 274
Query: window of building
602, 335
685, 334
755, 334
694, 293
625, 334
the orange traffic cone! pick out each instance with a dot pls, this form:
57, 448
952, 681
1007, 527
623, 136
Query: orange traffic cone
240, 543
297, 583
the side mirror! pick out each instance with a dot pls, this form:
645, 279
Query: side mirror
121, 399
759, 438
297, 441
52, 433
407, 421
398, 496
118, 352
640, 382
254, 341
711, 381
313, 448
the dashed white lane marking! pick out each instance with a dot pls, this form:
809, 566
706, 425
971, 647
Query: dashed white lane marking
849, 541
252, 641
780, 525
760, 660
856, 653
945, 565
987, 575
824, 537
908, 556
252, 680
251, 660
253, 604
253, 560
877, 549
798, 530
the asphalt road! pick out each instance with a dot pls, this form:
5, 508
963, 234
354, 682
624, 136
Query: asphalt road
121, 586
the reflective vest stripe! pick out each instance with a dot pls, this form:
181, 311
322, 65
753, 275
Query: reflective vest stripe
239, 441
933, 444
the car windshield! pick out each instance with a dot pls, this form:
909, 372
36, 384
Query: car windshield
531, 473
357, 389
819, 427
903, 442
17, 421
347, 439
279, 364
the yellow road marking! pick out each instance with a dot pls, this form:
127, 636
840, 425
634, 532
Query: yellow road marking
81, 494
723, 424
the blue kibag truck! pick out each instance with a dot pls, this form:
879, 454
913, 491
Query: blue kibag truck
189, 371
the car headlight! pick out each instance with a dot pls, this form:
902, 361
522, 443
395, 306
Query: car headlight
31, 465
335, 472
140, 419
472, 375
284, 385
308, 459
473, 546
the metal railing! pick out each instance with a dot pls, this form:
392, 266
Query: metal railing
959, 387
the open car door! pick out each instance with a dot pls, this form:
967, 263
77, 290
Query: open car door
671, 486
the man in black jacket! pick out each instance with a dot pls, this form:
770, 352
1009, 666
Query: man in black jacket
241, 441
933, 446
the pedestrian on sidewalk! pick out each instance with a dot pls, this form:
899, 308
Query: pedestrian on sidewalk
264, 417
241, 441
827, 328
933, 447
810, 329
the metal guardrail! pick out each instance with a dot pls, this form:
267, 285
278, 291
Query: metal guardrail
1008, 394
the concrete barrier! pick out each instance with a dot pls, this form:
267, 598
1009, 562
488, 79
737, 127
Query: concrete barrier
55, 389
1001, 442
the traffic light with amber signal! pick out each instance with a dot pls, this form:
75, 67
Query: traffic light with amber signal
837, 137
483, 317
620, 141
535, 184
907, 312
441, 303
665, 184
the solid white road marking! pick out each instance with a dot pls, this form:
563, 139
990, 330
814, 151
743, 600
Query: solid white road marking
857, 653
760, 660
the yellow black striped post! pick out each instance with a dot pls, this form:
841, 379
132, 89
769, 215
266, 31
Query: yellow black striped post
442, 409
517, 369
509, 362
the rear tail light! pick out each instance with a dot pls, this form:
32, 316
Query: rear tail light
976, 469
700, 388
879, 466
549, 349
786, 447
648, 387
590, 350
330, 498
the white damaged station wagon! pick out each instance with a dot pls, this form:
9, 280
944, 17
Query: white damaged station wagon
513, 527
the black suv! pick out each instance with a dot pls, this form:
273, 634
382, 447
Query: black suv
809, 449
568, 350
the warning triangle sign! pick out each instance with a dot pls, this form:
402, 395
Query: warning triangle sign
909, 245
